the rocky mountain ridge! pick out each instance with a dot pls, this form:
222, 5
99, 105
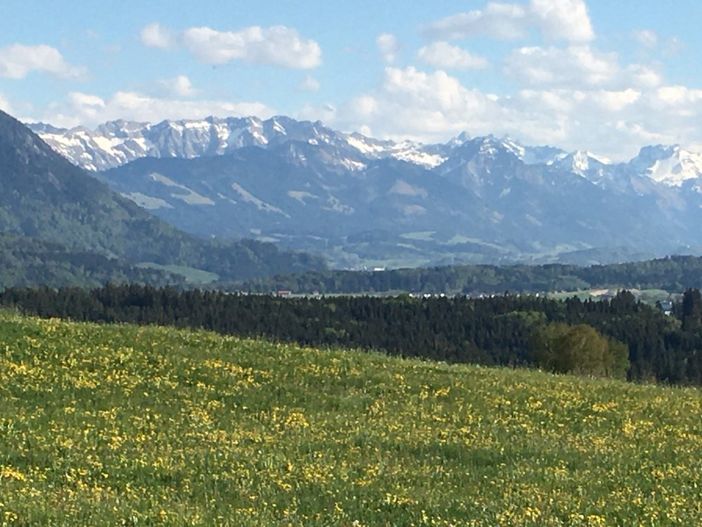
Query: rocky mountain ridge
46, 199
364, 202
116, 143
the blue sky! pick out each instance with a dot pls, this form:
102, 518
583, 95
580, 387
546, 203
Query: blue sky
599, 75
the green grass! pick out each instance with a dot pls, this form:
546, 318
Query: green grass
647, 296
121, 425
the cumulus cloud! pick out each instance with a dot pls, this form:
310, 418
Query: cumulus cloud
562, 19
504, 21
678, 96
575, 65
445, 56
5, 104
434, 106
179, 86
88, 109
643, 76
309, 84
424, 106
277, 46
17, 61
388, 46
156, 36
555, 19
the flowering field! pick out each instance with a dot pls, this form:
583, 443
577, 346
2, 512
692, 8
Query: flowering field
120, 425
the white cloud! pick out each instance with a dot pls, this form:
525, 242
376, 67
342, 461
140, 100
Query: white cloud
418, 105
156, 36
572, 66
577, 67
445, 56
277, 45
309, 84
326, 113
88, 109
5, 105
555, 19
17, 61
505, 21
643, 76
614, 121
646, 37
388, 47
562, 19
179, 86
678, 96
616, 101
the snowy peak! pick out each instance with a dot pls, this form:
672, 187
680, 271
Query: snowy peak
542, 155
492, 146
580, 162
118, 142
461, 138
669, 165
486, 150
119, 128
427, 156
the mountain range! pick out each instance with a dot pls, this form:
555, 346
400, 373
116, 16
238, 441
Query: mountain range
361, 202
57, 214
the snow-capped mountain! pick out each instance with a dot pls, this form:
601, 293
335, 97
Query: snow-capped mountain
669, 165
581, 162
118, 142
365, 201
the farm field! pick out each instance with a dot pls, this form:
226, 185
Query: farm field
647, 296
127, 425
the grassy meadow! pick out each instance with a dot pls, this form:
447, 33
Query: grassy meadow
125, 425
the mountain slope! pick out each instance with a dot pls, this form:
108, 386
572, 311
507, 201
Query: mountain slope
118, 142
482, 204
30, 262
368, 202
46, 197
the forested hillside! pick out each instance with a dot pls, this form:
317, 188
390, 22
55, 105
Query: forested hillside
674, 274
27, 261
44, 197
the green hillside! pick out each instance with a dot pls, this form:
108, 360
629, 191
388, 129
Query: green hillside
125, 425
46, 198
28, 261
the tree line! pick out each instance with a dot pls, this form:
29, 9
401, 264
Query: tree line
618, 337
674, 273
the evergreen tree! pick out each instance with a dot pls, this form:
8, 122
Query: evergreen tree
692, 310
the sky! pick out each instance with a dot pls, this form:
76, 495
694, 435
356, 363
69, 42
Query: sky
598, 75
